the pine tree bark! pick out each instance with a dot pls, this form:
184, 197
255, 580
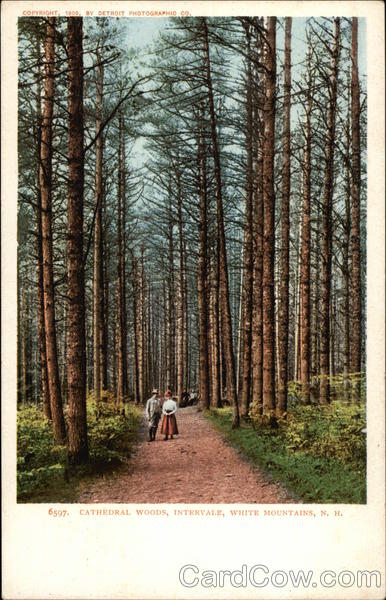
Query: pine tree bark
106, 311
63, 355
186, 336
171, 313
141, 325
202, 280
98, 245
123, 274
332, 333
26, 347
224, 285
305, 255
39, 268
124, 269
163, 342
40, 314
285, 231
258, 225
239, 298
115, 357
45, 179
134, 271
345, 266
316, 307
248, 252
269, 400
76, 350
122, 387
120, 375
147, 337
356, 287
327, 226
180, 292
216, 397
297, 362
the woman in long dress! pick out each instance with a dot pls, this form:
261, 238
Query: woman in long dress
169, 422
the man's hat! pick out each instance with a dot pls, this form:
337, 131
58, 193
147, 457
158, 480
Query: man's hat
155, 391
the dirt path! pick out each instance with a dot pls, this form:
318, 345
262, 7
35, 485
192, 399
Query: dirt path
197, 466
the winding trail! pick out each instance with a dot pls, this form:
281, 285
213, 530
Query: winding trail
197, 466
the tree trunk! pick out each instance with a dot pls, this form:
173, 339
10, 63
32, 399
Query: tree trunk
297, 336
39, 268
63, 356
98, 246
45, 178
186, 331
202, 281
285, 224
164, 338
258, 223
356, 334
140, 323
106, 311
147, 337
134, 277
224, 286
121, 268
316, 305
269, 402
332, 335
123, 274
170, 320
297, 307
305, 256
327, 227
26, 346
240, 320
215, 335
115, 357
248, 253
40, 315
345, 269
180, 292
76, 351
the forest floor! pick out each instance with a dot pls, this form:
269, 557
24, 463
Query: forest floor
197, 466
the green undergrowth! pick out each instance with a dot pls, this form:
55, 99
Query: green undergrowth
43, 471
318, 453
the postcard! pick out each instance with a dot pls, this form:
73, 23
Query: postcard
193, 331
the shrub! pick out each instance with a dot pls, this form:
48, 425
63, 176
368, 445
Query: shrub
110, 435
39, 458
40, 462
334, 431
318, 452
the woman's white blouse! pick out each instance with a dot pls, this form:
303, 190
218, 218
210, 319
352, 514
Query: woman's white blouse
169, 407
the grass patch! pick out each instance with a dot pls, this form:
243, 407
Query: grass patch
43, 472
319, 454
